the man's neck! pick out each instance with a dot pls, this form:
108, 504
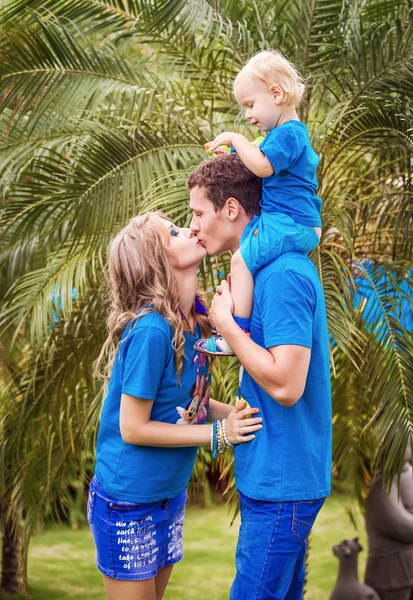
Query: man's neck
234, 244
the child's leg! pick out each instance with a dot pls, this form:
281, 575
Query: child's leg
242, 286
242, 290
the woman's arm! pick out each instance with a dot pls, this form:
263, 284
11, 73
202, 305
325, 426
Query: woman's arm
251, 156
137, 428
218, 410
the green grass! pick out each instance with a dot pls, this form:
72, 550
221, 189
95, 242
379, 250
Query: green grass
61, 560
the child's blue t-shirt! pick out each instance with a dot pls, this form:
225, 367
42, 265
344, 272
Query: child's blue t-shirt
145, 367
290, 458
291, 188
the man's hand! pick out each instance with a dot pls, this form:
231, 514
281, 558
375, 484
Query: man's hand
222, 305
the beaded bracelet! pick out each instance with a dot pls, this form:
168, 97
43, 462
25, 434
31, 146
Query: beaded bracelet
219, 438
214, 439
224, 433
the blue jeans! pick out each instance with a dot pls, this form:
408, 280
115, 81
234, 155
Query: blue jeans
271, 549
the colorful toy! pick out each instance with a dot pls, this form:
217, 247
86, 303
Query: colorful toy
258, 141
228, 149
241, 400
219, 150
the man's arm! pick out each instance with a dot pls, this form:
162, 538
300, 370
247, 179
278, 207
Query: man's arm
281, 370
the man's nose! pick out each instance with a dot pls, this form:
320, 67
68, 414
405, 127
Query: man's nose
194, 227
248, 115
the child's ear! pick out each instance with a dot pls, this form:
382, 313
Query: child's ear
279, 94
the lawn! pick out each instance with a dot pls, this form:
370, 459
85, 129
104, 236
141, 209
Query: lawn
61, 560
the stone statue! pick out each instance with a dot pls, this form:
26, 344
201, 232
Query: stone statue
348, 586
389, 521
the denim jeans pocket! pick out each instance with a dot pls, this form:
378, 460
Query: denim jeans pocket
304, 515
121, 506
90, 506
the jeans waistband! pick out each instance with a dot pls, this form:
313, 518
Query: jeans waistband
96, 487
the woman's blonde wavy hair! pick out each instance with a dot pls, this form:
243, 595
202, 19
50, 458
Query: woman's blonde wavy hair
141, 279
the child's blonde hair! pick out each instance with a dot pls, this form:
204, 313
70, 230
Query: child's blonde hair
272, 68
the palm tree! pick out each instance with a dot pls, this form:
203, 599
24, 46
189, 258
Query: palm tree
105, 109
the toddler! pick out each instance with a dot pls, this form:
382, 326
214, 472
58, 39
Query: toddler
269, 89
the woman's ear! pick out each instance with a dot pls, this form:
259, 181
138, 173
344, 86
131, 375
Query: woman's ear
279, 93
231, 209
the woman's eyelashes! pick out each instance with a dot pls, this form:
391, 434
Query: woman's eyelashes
174, 231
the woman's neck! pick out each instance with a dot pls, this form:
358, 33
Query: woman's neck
187, 285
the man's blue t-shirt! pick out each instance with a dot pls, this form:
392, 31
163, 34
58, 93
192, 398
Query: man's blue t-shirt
144, 367
290, 458
291, 188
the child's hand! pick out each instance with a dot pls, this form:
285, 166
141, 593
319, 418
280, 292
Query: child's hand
223, 139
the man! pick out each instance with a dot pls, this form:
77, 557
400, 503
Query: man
283, 476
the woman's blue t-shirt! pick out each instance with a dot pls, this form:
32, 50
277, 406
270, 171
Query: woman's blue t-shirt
144, 367
291, 188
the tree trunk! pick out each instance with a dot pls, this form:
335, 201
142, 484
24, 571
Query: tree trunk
10, 566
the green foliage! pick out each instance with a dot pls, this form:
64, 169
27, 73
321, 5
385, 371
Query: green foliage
105, 106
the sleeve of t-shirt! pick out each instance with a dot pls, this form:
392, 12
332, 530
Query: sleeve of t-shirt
147, 350
282, 147
287, 309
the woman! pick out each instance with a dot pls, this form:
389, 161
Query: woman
158, 386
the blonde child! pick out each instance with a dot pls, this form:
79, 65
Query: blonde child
269, 89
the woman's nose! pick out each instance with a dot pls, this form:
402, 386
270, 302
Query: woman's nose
188, 232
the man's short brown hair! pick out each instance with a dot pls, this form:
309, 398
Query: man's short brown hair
225, 177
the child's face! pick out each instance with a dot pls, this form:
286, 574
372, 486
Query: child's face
262, 107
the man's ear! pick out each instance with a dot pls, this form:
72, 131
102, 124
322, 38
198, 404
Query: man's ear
231, 208
279, 93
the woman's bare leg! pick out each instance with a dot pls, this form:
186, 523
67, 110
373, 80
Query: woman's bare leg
118, 589
161, 581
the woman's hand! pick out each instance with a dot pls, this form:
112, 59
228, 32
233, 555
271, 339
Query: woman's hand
240, 429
